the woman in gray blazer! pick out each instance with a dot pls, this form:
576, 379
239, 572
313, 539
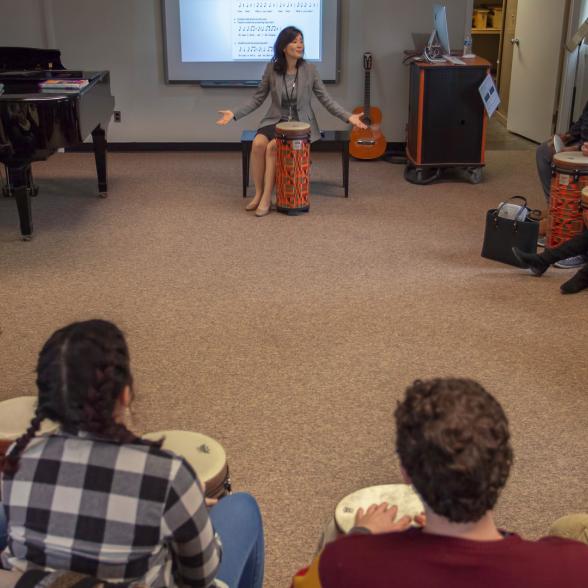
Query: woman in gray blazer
291, 81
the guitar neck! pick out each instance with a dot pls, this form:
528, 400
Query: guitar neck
366, 93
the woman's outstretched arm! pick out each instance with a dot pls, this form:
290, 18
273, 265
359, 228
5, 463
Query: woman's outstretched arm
260, 95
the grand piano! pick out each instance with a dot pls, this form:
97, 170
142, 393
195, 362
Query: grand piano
33, 124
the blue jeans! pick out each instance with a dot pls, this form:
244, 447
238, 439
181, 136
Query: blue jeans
3, 529
237, 520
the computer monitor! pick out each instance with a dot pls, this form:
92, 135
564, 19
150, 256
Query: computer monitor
440, 21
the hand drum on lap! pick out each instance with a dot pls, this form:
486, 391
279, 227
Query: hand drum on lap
570, 178
292, 167
205, 454
15, 417
399, 495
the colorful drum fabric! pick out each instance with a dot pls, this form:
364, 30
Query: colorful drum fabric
293, 167
570, 177
584, 205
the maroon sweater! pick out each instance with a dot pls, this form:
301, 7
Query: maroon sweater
414, 559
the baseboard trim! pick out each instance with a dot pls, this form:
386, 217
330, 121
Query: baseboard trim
391, 147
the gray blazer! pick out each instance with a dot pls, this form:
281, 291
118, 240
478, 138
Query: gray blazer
308, 82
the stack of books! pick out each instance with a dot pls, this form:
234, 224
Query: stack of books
63, 86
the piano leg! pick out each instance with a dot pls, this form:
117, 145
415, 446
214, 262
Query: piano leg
21, 190
99, 140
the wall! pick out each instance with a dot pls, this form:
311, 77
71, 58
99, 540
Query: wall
22, 23
125, 37
582, 80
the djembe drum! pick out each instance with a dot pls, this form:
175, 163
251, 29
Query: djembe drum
570, 177
206, 456
400, 495
584, 206
15, 417
292, 167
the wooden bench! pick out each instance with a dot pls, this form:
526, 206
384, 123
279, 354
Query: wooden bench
330, 141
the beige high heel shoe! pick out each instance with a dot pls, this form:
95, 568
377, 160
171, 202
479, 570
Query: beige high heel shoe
253, 205
263, 211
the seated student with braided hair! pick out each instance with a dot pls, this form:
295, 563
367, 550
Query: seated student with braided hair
453, 441
94, 498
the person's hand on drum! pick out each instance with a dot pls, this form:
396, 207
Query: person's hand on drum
381, 518
207, 501
585, 148
226, 118
420, 519
355, 120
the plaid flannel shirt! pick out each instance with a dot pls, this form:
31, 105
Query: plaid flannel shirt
115, 512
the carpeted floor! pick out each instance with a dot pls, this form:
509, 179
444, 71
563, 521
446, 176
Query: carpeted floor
291, 339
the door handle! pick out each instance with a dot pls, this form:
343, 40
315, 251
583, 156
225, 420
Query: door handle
515, 41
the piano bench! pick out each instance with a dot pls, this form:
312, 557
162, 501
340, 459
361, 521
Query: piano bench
330, 141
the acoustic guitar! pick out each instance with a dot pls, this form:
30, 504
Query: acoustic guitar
368, 143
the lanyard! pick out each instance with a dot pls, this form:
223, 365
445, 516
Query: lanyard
290, 95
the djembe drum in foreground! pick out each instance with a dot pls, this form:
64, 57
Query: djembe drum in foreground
570, 177
400, 495
15, 417
584, 206
206, 456
292, 167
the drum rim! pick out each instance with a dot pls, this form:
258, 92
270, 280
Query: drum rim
47, 426
153, 435
571, 160
347, 496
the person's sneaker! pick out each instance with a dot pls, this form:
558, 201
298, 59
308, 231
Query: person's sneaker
571, 262
541, 241
577, 283
531, 261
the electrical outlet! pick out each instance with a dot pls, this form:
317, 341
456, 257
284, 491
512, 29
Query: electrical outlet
117, 116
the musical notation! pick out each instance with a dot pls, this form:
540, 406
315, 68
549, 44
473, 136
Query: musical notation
290, 5
256, 23
255, 51
261, 28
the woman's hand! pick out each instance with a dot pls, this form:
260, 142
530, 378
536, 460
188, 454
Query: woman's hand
226, 118
355, 120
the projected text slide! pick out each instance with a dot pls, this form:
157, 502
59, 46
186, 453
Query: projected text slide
245, 30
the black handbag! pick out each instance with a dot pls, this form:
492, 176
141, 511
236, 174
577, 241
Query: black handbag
502, 234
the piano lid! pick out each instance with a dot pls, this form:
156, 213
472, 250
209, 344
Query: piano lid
27, 58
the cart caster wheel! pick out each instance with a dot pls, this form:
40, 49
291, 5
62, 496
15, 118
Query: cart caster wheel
421, 175
475, 175
102, 194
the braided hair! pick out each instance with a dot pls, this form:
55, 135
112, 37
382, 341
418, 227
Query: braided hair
82, 370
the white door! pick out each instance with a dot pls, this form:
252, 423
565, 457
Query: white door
535, 74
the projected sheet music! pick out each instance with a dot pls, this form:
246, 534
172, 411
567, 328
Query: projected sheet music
256, 24
245, 30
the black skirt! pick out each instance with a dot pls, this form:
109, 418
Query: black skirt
268, 131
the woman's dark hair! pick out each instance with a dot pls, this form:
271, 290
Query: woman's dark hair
81, 372
453, 441
285, 37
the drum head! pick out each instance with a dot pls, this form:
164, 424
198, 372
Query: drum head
16, 415
293, 126
400, 495
571, 160
206, 455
